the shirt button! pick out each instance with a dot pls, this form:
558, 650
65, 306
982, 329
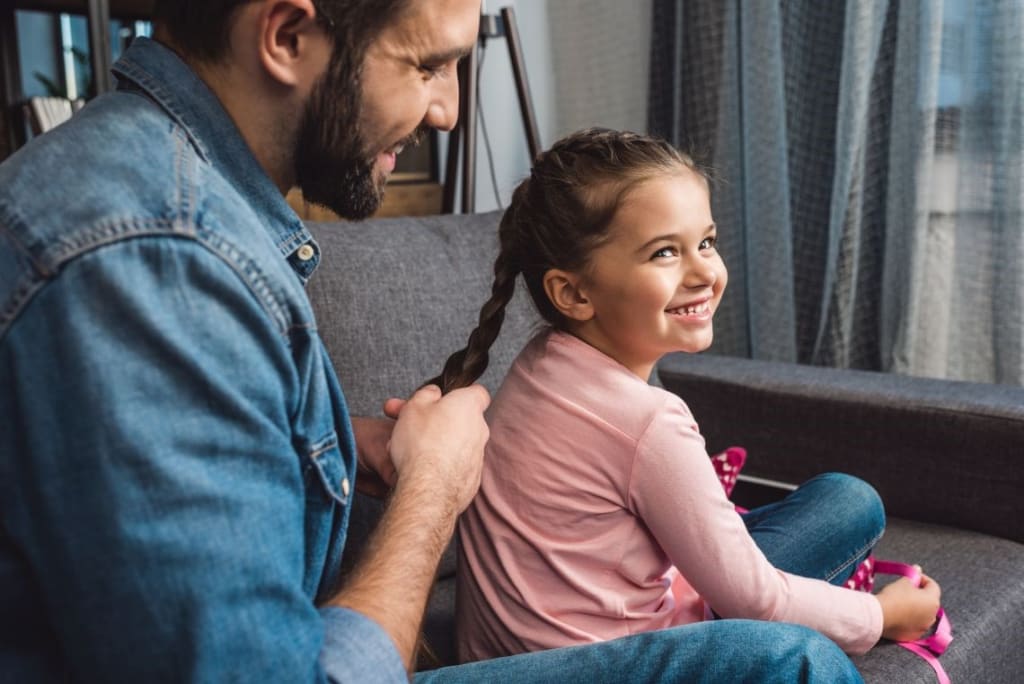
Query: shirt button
305, 253
345, 486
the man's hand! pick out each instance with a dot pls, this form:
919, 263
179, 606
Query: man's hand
439, 441
437, 451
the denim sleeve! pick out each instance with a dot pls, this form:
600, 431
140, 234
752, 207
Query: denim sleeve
357, 649
153, 486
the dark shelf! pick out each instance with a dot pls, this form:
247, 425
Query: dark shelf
120, 9
98, 14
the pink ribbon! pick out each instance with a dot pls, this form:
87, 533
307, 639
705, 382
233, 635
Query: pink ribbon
929, 647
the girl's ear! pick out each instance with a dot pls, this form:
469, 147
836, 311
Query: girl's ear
563, 290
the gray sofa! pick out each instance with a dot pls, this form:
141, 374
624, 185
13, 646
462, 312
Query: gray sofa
395, 296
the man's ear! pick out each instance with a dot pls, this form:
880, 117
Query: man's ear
563, 290
293, 47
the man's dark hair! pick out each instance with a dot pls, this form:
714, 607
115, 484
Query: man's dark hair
200, 28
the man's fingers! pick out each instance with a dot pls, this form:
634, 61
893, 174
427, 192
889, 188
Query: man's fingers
393, 406
426, 393
477, 393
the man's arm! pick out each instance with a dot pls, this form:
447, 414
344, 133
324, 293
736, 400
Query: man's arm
155, 486
437, 451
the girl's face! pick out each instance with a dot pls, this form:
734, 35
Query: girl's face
654, 285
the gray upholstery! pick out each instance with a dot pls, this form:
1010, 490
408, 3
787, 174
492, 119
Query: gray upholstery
982, 592
394, 297
937, 451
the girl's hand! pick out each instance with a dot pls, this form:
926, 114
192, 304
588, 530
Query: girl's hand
376, 471
908, 611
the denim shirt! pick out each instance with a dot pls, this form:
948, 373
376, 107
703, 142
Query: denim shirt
176, 457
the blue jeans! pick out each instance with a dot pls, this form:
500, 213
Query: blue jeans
722, 651
824, 529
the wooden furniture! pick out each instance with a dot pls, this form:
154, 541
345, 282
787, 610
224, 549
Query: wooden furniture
400, 199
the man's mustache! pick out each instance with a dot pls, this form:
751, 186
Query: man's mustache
416, 137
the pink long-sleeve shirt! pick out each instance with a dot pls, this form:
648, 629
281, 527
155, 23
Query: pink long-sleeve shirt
600, 515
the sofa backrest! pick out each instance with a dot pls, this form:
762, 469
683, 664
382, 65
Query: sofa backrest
395, 297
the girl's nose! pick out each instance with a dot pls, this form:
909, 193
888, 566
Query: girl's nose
699, 272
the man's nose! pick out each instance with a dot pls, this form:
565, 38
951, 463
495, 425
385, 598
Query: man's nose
443, 110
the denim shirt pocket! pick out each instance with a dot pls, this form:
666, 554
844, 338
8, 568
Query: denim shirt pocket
324, 470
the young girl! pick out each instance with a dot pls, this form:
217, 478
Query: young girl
599, 513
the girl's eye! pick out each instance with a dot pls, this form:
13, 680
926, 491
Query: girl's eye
664, 252
709, 242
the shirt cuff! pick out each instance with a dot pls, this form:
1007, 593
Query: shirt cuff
357, 649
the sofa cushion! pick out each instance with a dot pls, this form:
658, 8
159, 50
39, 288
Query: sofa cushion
981, 593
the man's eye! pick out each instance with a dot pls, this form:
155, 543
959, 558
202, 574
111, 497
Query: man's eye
709, 242
432, 69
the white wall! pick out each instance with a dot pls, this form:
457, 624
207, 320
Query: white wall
586, 63
499, 104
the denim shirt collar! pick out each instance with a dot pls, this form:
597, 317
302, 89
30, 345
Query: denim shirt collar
162, 75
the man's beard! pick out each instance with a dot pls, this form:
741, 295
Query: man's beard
332, 165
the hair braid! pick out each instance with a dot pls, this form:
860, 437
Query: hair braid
465, 366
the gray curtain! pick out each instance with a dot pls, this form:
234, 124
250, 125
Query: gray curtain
869, 164
599, 59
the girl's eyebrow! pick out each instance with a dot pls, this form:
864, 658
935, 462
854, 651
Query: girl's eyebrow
668, 237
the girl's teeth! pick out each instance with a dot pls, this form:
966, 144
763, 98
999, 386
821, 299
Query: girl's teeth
700, 308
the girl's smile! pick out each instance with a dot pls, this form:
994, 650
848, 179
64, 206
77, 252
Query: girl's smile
697, 313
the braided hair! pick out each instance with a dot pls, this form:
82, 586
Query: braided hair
556, 218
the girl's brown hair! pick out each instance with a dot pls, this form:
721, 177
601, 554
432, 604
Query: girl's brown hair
556, 218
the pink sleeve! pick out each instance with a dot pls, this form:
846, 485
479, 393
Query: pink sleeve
673, 488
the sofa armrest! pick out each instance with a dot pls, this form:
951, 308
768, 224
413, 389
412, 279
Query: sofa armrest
937, 451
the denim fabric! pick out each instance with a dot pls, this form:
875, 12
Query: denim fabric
823, 530
733, 651
176, 458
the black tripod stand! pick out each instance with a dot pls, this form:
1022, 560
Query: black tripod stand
465, 132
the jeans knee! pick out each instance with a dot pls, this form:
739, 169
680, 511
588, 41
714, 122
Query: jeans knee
857, 499
824, 661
